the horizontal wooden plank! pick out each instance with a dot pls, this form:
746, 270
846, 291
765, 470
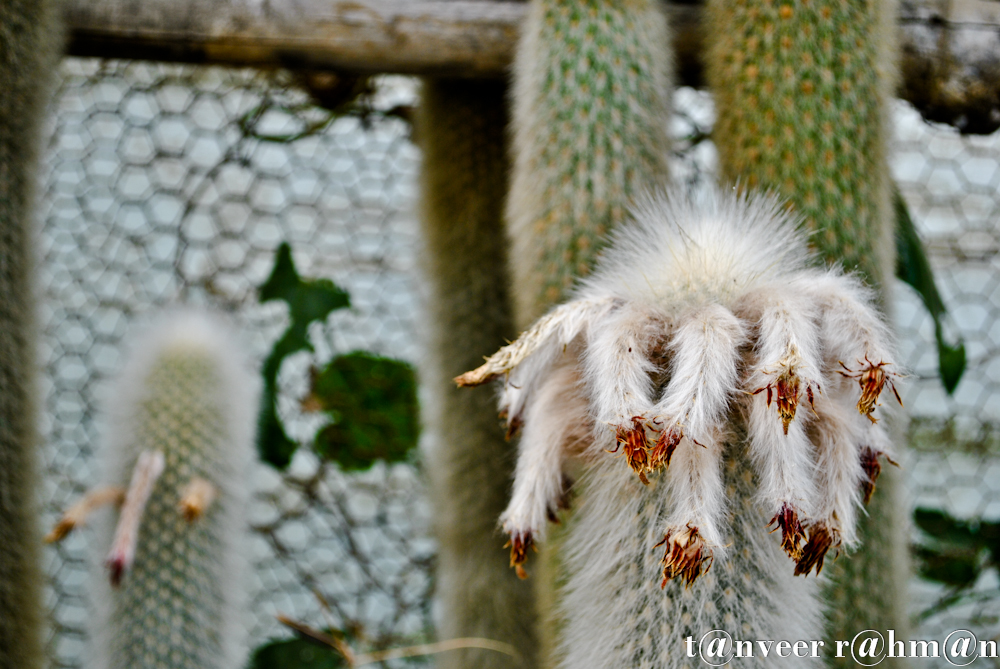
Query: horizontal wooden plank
950, 49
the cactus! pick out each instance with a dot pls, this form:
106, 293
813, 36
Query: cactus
182, 422
29, 49
591, 83
460, 127
592, 80
802, 92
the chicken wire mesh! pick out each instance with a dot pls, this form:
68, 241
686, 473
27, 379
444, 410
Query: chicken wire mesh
167, 183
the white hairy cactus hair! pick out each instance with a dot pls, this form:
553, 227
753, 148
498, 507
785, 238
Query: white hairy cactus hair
179, 435
705, 334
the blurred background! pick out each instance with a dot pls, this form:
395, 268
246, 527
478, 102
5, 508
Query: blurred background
166, 183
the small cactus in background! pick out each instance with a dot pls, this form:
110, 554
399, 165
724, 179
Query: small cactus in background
30, 46
179, 439
591, 87
801, 92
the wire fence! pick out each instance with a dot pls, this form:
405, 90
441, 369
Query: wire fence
166, 183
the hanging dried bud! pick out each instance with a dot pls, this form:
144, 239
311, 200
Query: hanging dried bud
686, 555
872, 379
513, 426
519, 544
664, 448
821, 539
872, 468
633, 443
787, 396
785, 393
787, 520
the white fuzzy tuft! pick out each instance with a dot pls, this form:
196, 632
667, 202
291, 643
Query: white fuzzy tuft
703, 343
556, 424
838, 442
617, 364
703, 376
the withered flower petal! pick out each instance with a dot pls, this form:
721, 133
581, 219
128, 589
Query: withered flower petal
791, 530
519, 544
872, 468
635, 446
686, 556
664, 448
821, 540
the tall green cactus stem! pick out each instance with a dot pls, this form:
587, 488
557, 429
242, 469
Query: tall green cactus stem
592, 79
187, 395
29, 49
802, 91
461, 129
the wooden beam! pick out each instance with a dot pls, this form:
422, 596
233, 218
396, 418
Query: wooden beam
950, 49
438, 37
452, 38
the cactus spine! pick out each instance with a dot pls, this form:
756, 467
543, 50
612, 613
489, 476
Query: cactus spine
184, 409
29, 51
802, 91
591, 86
461, 129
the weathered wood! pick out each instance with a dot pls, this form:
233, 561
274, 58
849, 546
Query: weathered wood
440, 38
950, 62
950, 48
454, 38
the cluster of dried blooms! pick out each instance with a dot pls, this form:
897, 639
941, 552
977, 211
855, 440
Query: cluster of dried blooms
706, 325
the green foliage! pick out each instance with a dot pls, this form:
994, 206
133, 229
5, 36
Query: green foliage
955, 553
371, 400
295, 654
913, 268
308, 301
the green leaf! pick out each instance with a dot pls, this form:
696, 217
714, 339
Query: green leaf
955, 552
913, 268
284, 279
308, 301
945, 529
295, 654
954, 568
372, 403
951, 361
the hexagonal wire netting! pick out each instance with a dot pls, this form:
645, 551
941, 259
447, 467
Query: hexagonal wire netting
154, 194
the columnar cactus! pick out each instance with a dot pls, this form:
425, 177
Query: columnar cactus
802, 92
29, 51
461, 129
592, 81
591, 88
180, 436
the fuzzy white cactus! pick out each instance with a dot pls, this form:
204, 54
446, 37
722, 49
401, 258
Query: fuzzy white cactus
179, 435
702, 321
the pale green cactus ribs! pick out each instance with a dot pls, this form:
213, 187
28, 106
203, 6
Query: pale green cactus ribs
592, 81
591, 107
29, 51
802, 91
186, 396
